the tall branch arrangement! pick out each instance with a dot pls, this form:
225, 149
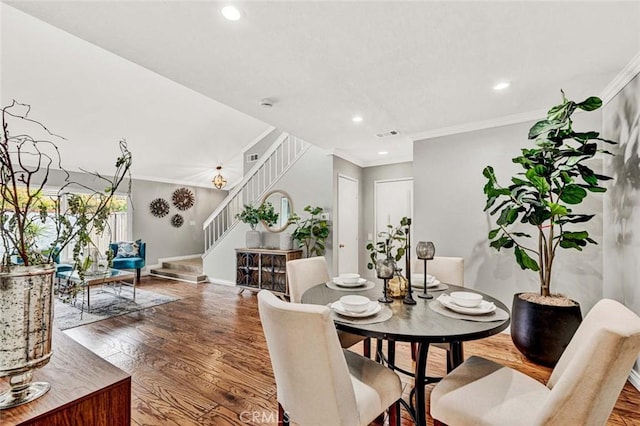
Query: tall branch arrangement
25, 166
556, 177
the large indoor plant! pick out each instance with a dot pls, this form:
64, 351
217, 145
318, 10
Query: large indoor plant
556, 177
28, 159
312, 232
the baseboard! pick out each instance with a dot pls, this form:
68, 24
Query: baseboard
634, 379
221, 282
182, 280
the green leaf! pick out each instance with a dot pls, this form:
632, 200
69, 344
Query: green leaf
596, 189
573, 194
539, 182
590, 104
525, 261
507, 216
543, 126
557, 209
581, 235
488, 173
493, 233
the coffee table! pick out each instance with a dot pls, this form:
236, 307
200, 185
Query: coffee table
115, 277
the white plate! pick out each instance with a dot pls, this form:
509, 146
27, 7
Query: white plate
420, 284
419, 278
374, 308
338, 281
484, 308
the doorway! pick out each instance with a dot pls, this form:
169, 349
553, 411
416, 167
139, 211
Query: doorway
348, 226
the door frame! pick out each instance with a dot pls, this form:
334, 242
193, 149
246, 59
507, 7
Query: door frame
357, 219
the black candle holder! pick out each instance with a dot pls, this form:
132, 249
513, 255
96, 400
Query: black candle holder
425, 251
408, 299
385, 269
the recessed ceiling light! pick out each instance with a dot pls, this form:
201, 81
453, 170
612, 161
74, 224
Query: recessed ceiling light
357, 119
501, 86
383, 152
231, 13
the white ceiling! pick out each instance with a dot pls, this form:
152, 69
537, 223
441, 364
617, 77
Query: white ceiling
421, 68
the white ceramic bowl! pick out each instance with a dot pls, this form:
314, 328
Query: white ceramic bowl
355, 303
350, 278
466, 299
419, 278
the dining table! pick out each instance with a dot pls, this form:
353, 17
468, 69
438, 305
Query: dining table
420, 324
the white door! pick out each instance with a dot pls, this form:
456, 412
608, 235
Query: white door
393, 201
347, 224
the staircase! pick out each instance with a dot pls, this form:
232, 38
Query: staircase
189, 270
275, 162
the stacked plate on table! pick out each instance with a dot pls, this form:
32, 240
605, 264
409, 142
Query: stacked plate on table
417, 281
356, 306
349, 280
464, 302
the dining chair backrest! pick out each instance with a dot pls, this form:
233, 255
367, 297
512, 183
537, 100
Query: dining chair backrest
302, 274
449, 270
594, 367
312, 376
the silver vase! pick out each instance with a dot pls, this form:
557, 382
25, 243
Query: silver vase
26, 321
253, 239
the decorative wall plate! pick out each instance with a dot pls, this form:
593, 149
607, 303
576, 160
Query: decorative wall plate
177, 220
159, 207
183, 198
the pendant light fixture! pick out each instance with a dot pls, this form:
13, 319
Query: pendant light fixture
218, 180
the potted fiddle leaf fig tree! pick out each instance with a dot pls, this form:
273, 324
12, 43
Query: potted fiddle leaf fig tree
29, 158
312, 232
537, 215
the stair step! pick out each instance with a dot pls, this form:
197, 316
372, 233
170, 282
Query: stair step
189, 265
179, 275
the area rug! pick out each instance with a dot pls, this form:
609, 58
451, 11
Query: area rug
105, 304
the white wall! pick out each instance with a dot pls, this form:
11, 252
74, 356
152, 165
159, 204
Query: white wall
621, 122
449, 202
308, 181
368, 226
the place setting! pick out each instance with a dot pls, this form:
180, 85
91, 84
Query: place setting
350, 282
433, 284
468, 306
356, 309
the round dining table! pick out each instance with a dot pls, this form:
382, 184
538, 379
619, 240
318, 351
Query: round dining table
417, 324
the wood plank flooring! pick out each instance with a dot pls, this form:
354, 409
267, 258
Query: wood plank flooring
202, 360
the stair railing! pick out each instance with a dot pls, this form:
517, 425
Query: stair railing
280, 156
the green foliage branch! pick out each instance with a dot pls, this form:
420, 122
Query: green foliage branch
555, 178
386, 245
312, 232
25, 165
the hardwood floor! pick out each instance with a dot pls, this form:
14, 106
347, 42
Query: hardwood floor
202, 360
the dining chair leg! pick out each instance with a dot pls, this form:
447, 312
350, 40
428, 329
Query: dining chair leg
455, 356
378, 350
283, 417
395, 416
414, 349
366, 347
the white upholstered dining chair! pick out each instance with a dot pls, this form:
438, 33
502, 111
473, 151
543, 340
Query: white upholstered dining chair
582, 390
302, 274
318, 382
448, 270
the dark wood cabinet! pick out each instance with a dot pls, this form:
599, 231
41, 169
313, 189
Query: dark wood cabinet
264, 269
85, 390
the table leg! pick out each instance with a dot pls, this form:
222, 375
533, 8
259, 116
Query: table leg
456, 356
420, 374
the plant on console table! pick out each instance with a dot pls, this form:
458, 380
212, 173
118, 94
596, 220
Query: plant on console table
252, 216
28, 155
311, 233
556, 177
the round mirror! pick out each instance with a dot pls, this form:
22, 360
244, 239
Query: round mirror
282, 205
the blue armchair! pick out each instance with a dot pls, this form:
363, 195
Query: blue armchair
126, 256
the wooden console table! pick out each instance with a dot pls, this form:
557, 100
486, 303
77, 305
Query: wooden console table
85, 390
263, 269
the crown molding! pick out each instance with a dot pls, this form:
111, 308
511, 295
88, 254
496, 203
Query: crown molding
627, 74
480, 125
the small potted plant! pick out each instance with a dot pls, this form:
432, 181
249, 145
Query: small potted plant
252, 216
312, 232
28, 155
555, 179
390, 248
